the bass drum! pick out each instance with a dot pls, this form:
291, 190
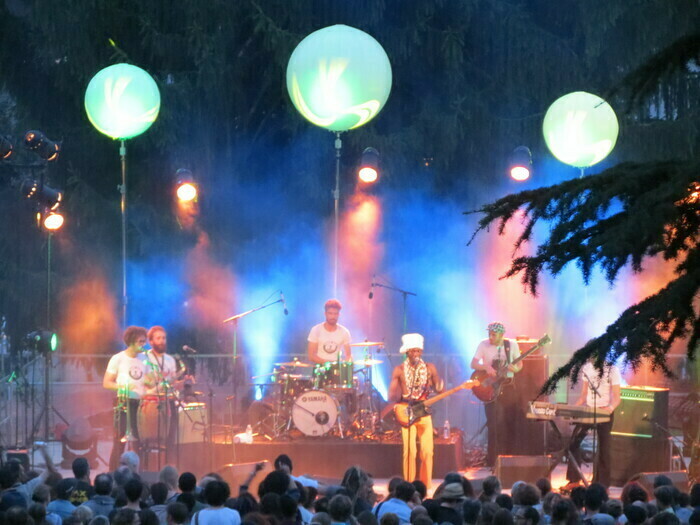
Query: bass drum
315, 412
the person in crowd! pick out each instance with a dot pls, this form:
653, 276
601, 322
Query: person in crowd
595, 496
564, 512
288, 508
215, 494
359, 486
321, 518
102, 503
490, 489
503, 517
389, 518
176, 514
635, 514
130, 460
488, 511
62, 504
168, 475
471, 509
284, 462
125, 516
505, 501
399, 504
147, 517
451, 500
544, 485
83, 513
133, 489
664, 498
82, 491
187, 483
527, 516
42, 496
17, 481
159, 493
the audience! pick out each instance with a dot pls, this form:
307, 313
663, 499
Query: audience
284, 500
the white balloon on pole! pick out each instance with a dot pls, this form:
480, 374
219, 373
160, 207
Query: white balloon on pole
580, 129
339, 78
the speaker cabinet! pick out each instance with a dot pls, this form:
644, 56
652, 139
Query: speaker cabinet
642, 412
679, 478
510, 469
528, 383
632, 455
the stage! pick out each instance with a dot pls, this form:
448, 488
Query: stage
323, 457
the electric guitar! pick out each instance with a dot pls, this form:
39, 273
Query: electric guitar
489, 387
407, 413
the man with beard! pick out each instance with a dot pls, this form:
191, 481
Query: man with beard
163, 374
329, 340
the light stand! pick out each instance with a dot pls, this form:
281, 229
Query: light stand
122, 191
336, 206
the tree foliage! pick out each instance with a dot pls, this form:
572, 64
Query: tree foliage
618, 218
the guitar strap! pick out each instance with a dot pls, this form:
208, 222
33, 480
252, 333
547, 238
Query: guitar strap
506, 348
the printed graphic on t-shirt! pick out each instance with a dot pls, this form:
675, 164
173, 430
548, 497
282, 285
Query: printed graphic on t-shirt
330, 347
136, 372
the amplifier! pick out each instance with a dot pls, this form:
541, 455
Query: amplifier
192, 423
641, 407
510, 469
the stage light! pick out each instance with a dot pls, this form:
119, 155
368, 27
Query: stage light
53, 221
40, 144
521, 163
45, 195
6, 148
42, 341
186, 187
369, 167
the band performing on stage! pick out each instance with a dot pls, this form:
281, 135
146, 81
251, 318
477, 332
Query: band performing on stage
330, 395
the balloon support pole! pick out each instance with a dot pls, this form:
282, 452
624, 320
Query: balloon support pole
122, 191
336, 201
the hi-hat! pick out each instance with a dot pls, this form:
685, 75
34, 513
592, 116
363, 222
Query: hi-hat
294, 363
368, 343
368, 362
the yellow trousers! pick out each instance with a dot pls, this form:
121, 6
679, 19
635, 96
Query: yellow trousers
423, 430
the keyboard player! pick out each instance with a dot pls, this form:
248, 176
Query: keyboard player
599, 392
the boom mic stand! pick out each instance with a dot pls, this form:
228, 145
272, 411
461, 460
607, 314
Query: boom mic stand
404, 293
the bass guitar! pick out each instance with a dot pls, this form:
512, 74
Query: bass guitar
407, 413
489, 387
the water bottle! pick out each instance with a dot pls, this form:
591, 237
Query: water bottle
446, 429
249, 434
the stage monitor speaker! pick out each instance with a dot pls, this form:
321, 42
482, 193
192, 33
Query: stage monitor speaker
679, 478
510, 469
643, 412
630, 455
236, 473
192, 423
528, 383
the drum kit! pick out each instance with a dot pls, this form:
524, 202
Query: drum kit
332, 398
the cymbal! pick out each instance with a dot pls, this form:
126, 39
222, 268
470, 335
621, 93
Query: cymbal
263, 375
294, 363
368, 362
368, 343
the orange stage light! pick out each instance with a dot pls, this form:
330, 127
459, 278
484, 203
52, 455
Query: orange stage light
53, 221
187, 192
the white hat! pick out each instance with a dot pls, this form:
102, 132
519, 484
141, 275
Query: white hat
410, 341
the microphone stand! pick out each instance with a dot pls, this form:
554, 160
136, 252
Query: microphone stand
596, 395
405, 294
234, 319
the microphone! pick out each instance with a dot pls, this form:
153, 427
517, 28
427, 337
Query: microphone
186, 348
284, 303
371, 289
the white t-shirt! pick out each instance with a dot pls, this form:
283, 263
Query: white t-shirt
330, 344
130, 372
159, 368
222, 516
486, 353
611, 376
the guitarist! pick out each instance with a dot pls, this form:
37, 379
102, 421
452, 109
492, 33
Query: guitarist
412, 381
494, 355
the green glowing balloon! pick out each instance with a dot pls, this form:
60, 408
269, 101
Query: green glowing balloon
580, 129
339, 78
122, 101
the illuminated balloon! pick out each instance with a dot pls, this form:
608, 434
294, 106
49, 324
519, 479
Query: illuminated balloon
339, 78
580, 129
122, 101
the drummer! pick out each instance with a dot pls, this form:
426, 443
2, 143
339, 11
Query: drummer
329, 341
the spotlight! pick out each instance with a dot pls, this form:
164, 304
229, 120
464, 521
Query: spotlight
41, 341
6, 148
369, 167
43, 194
186, 187
521, 163
53, 221
40, 144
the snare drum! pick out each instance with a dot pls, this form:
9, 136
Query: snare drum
315, 412
334, 375
153, 412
